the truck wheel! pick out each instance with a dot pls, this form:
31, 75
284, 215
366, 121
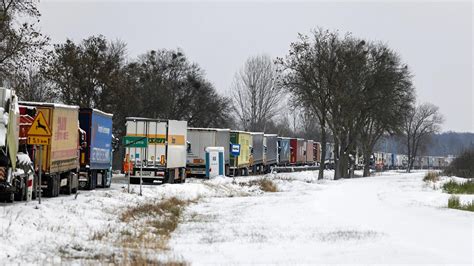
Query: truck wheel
68, 188
183, 175
57, 187
74, 183
170, 176
11, 198
21, 192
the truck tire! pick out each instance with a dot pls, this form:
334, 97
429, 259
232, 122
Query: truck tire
74, 183
11, 198
182, 175
56, 185
21, 193
68, 189
170, 176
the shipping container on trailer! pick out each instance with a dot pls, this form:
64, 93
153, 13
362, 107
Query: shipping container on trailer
198, 140
165, 157
60, 159
329, 157
239, 164
96, 155
310, 152
284, 151
317, 152
257, 152
270, 157
293, 150
301, 151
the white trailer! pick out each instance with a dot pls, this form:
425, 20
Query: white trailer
165, 157
198, 140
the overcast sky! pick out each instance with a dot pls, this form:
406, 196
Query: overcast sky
434, 39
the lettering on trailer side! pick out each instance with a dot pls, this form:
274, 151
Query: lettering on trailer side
62, 133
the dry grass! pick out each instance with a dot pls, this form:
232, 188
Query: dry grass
264, 184
431, 177
148, 229
155, 223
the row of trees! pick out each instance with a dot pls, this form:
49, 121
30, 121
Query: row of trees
358, 91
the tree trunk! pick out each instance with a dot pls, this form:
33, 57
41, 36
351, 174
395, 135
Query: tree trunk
366, 164
323, 151
337, 160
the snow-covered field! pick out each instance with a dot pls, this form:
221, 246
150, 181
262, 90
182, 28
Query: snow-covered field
390, 218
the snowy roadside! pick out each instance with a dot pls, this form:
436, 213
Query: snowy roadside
234, 221
389, 218
71, 228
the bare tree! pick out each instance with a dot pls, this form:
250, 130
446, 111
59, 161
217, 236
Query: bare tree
31, 85
255, 93
419, 124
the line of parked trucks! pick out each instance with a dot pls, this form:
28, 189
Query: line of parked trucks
79, 155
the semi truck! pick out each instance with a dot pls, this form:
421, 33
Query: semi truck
164, 160
16, 171
270, 156
240, 162
96, 153
60, 162
198, 140
257, 152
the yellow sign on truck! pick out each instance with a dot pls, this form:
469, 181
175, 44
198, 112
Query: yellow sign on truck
39, 132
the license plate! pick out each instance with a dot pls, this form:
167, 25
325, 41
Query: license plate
146, 173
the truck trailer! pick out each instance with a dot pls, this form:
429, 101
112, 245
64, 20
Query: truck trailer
165, 157
240, 163
284, 151
310, 152
60, 162
270, 156
198, 140
257, 151
96, 154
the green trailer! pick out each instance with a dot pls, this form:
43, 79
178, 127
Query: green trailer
240, 162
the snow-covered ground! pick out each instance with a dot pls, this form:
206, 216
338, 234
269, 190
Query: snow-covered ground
390, 218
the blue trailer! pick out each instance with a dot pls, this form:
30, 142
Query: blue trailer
96, 151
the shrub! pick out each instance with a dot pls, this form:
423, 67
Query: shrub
431, 176
455, 203
453, 187
462, 166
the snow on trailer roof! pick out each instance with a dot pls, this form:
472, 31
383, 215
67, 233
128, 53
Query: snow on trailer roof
208, 129
257, 133
98, 111
240, 131
270, 135
146, 119
60, 105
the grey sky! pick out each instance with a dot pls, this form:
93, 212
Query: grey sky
435, 39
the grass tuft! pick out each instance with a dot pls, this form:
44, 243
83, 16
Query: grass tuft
453, 187
431, 177
455, 203
264, 184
